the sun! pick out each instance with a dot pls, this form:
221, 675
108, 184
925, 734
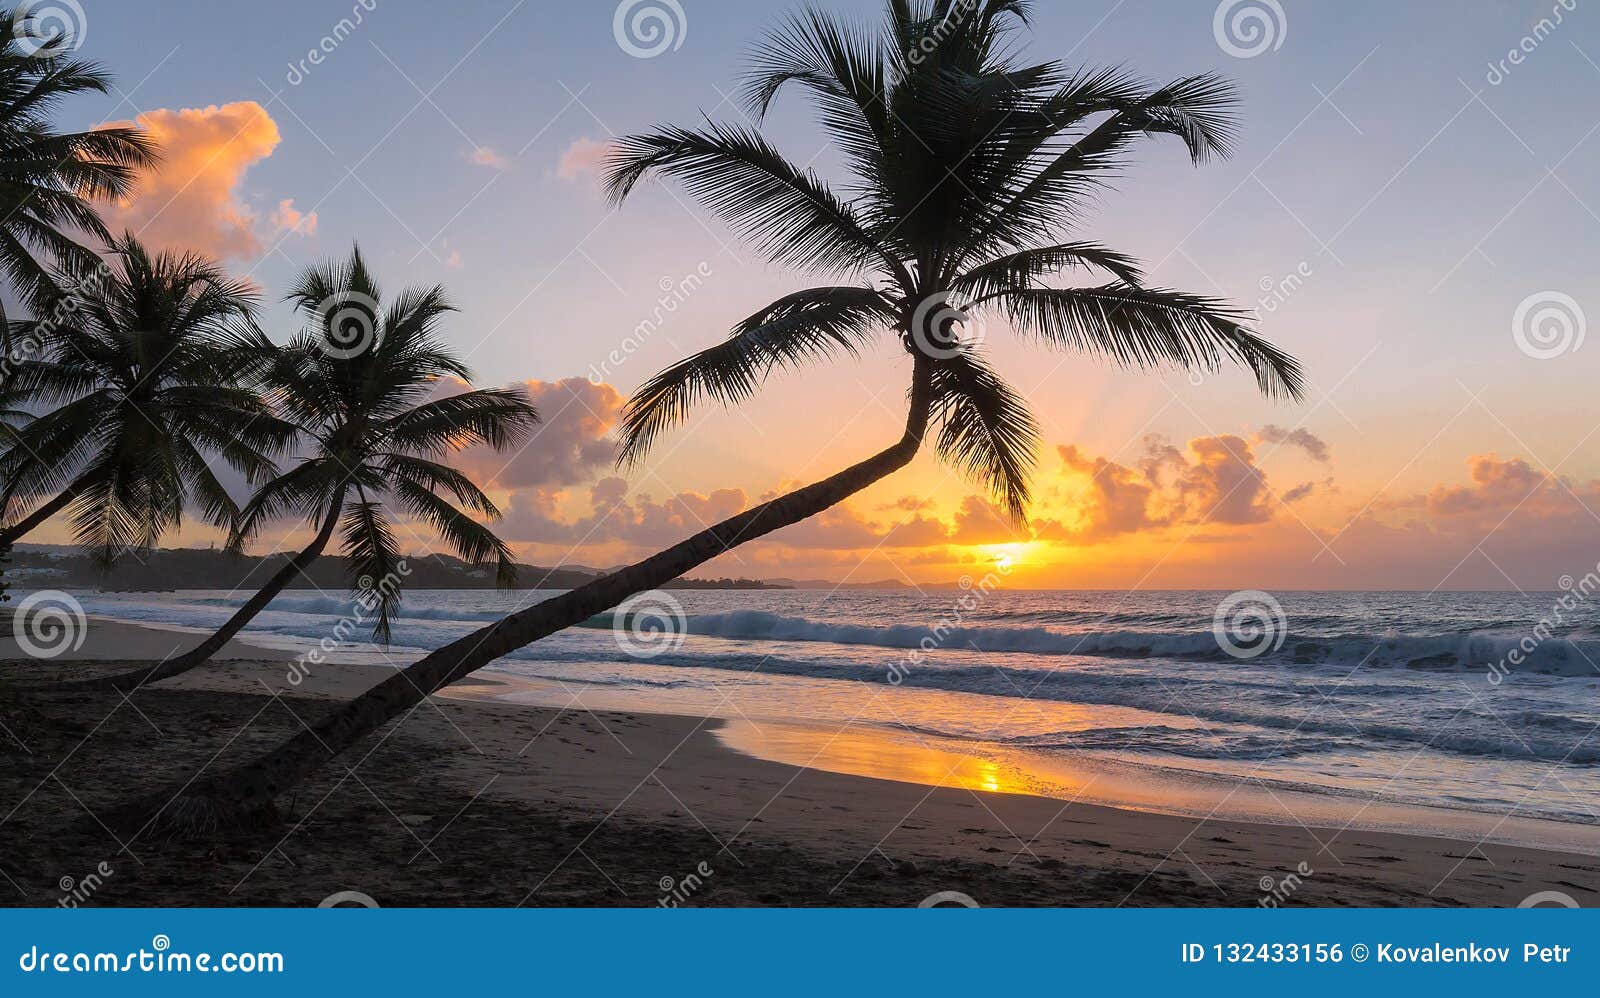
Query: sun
1009, 556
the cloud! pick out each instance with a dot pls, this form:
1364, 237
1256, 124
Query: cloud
979, 521
1315, 447
1511, 524
1223, 484
583, 160
844, 528
287, 218
612, 515
485, 156
1115, 500
571, 443
1306, 489
1216, 481
908, 504
637, 521
1497, 486
192, 199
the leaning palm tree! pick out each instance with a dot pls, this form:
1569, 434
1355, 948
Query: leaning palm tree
357, 383
142, 372
49, 180
969, 169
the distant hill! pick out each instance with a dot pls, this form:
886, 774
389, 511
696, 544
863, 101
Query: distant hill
60, 566
825, 584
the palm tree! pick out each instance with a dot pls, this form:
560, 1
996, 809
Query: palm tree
969, 169
49, 180
142, 370
356, 384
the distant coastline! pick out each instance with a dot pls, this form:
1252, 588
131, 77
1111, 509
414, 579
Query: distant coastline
171, 569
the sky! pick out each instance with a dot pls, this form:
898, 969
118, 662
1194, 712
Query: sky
1413, 211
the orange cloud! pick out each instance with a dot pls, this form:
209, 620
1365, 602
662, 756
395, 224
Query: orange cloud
1216, 482
1115, 500
192, 200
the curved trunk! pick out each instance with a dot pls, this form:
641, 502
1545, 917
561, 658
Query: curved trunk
10, 535
201, 653
251, 789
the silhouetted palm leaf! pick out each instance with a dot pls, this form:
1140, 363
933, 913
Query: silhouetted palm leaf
366, 412
49, 179
144, 370
969, 169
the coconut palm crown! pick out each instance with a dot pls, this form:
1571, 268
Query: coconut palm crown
359, 381
143, 372
49, 180
969, 171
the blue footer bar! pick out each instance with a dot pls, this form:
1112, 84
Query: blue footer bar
710, 952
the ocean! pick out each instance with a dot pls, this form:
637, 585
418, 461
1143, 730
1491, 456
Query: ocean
1383, 709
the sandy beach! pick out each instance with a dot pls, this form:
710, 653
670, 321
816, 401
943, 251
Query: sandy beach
478, 802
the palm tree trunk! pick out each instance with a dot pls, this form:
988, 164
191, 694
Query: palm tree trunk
201, 653
247, 793
10, 535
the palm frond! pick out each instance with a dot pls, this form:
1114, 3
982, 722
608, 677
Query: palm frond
1148, 327
789, 214
470, 539
799, 328
986, 430
375, 564
1021, 270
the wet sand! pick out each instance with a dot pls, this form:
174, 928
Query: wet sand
476, 801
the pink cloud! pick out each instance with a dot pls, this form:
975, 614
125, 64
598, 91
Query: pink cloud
287, 218
485, 156
583, 160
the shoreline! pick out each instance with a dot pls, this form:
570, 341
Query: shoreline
596, 806
871, 751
